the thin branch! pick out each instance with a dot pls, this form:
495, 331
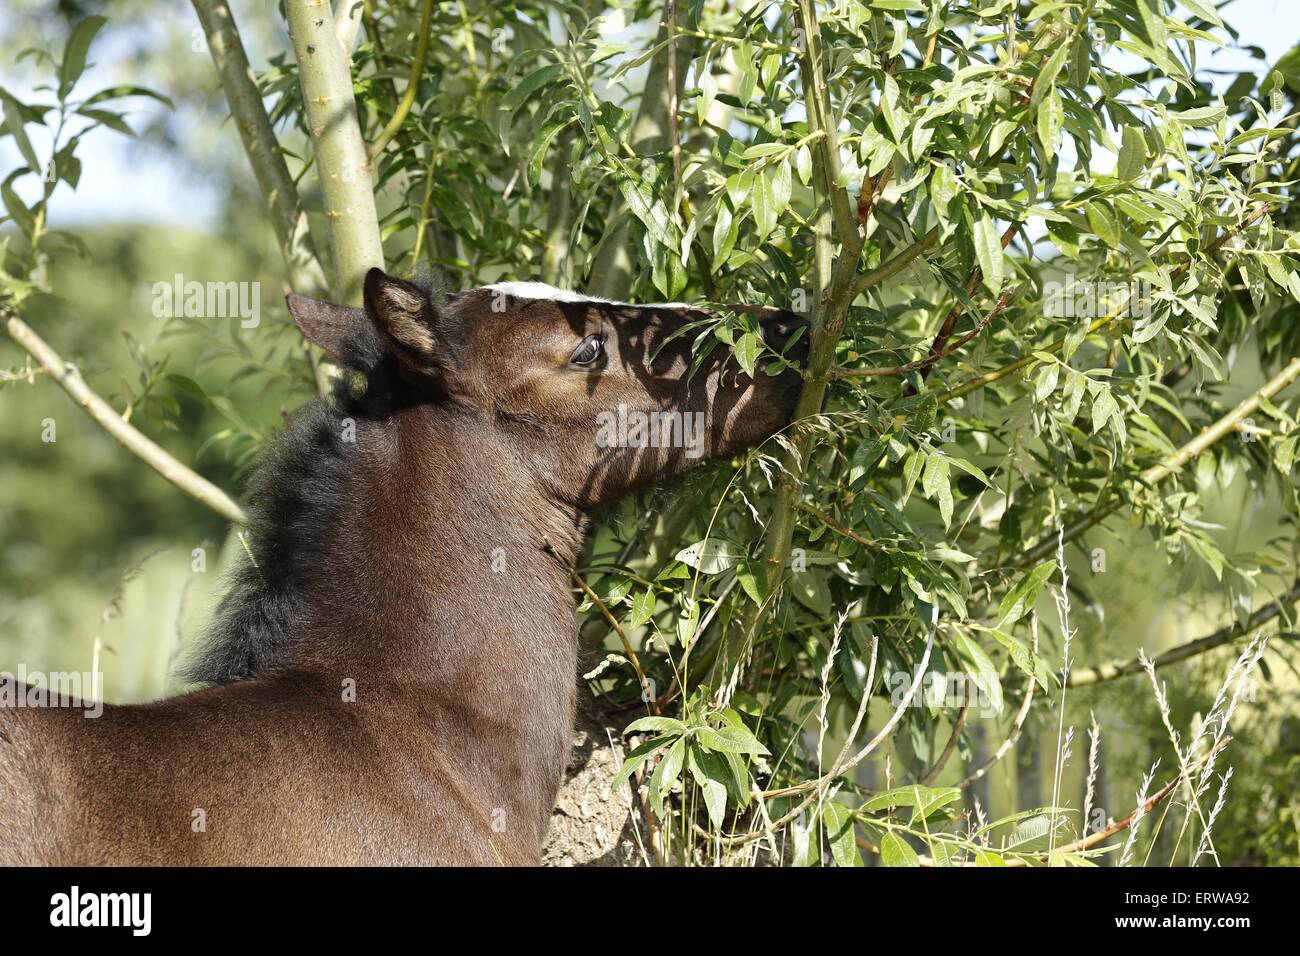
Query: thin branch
923, 365
950, 323
888, 270
348, 22
1146, 807
848, 532
69, 379
1173, 462
817, 99
288, 219
412, 84
325, 74
949, 748
1113, 670
622, 636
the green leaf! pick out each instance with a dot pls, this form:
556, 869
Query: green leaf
811, 589
803, 164
895, 851
923, 800
1046, 77
895, 117
807, 843
1020, 598
840, 834
983, 674
118, 92
1102, 223
540, 147
16, 208
656, 725
730, 740
1104, 409
747, 351
936, 485
753, 578
988, 251
643, 608
708, 94
1201, 115
14, 123
74, 54
639, 756
1132, 154
1051, 116
529, 85
1045, 380
711, 556
710, 775
666, 774
762, 202
1204, 10
943, 189
725, 232
110, 119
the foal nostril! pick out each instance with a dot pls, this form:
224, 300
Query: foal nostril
779, 327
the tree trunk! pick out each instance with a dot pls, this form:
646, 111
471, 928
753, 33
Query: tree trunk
592, 824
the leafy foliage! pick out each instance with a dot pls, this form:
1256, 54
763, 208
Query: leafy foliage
1105, 231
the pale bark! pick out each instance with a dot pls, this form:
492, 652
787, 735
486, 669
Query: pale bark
342, 161
288, 219
68, 378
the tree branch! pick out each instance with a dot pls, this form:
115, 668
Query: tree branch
1090, 841
937, 768
834, 283
1113, 670
622, 636
945, 331
348, 23
887, 270
69, 379
1172, 463
925, 364
818, 102
342, 163
412, 84
288, 219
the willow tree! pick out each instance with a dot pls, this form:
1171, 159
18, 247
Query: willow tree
1033, 241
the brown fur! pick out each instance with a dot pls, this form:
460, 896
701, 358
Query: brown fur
465, 678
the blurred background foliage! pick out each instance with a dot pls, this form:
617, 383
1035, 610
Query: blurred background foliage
98, 552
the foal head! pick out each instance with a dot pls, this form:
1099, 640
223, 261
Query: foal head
597, 397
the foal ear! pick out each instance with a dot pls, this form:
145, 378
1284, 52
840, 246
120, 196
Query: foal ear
334, 328
407, 320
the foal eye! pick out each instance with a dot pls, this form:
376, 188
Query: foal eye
589, 352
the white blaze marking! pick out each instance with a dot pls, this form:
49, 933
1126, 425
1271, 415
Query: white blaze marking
540, 290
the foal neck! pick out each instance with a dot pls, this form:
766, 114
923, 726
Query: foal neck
449, 577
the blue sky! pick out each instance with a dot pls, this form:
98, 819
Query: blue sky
122, 181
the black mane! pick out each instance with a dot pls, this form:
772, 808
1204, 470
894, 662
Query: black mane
293, 501
294, 498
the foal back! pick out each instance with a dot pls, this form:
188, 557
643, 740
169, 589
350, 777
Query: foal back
278, 771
